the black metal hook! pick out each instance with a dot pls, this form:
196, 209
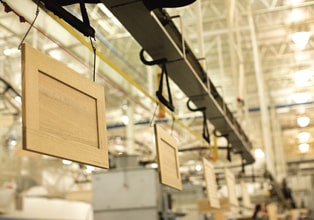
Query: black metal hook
242, 165
168, 103
228, 144
202, 109
153, 62
205, 133
82, 26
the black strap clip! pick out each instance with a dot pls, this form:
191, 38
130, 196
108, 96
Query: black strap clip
205, 133
229, 148
82, 26
168, 103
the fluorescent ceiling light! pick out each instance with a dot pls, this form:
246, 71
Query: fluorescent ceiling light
302, 56
293, 2
303, 121
66, 162
198, 167
296, 15
10, 51
18, 99
301, 77
304, 137
303, 148
301, 97
300, 39
154, 165
259, 153
125, 119
89, 169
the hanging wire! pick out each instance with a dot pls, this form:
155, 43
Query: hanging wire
94, 51
30, 27
152, 121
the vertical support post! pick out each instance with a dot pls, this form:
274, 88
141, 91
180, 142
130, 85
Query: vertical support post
280, 164
262, 97
231, 40
200, 31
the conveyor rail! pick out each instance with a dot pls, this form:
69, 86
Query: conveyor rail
160, 38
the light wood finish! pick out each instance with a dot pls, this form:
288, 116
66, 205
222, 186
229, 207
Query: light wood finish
6, 120
168, 161
19, 152
63, 112
230, 180
80, 195
219, 216
272, 211
211, 184
204, 207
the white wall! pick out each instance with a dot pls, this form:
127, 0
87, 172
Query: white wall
43, 208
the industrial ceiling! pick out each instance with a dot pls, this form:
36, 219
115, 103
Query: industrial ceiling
245, 46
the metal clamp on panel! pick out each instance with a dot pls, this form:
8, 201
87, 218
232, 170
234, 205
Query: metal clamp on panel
205, 134
159, 93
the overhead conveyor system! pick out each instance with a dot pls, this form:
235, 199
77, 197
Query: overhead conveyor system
160, 38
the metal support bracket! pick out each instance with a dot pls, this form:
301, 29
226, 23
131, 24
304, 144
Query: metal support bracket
82, 26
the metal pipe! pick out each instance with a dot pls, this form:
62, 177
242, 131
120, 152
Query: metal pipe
262, 96
200, 31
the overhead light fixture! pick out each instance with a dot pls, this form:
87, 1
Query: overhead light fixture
125, 119
303, 121
154, 165
304, 137
12, 142
301, 77
300, 98
303, 148
301, 39
293, 2
66, 162
300, 56
198, 167
89, 169
296, 15
259, 153
11, 51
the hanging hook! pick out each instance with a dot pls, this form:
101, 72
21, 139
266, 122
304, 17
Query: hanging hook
153, 62
228, 143
94, 52
205, 133
194, 109
30, 27
152, 121
162, 62
242, 165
